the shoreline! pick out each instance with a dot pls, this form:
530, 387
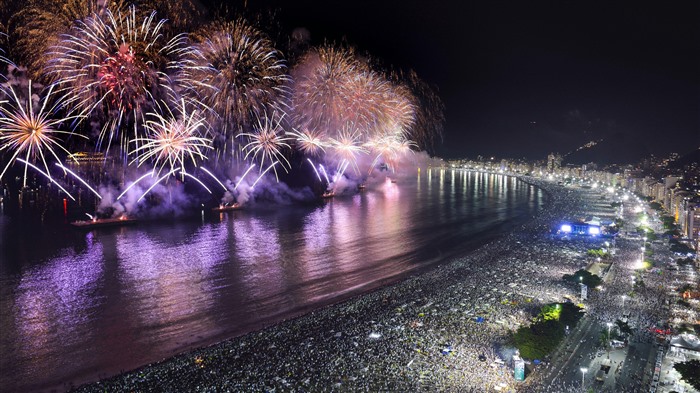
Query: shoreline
391, 338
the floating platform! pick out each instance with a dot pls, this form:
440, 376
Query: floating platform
328, 194
226, 208
103, 222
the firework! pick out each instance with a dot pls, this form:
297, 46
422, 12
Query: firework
268, 142
264, 172
429, 118
333, 90
134, 183
112, 66
308, 141
348, 145
214, 177
243, 177
31, 134
315, 170
183, 173
40, 25
156, 183
235, 71
318, 96
172, 140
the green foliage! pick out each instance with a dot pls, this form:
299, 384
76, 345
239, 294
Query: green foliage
690, 372
639, 284
584, 276
550, 312
623, 327
656, 206
673, 233
669, 222
680, 248
539, 339
598, 253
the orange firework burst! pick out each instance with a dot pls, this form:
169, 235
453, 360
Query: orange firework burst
29, 133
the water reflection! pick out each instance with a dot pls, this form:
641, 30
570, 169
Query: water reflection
104, 301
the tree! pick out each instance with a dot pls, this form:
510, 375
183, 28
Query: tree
585, 277
690, 372
623, 327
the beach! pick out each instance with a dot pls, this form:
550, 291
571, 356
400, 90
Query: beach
442, 330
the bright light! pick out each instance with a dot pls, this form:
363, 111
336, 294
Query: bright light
566, 228
593, 231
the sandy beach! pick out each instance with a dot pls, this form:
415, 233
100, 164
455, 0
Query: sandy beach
442, 330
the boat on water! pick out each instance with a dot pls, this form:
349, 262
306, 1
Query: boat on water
328, 194
103, 222
362, 186
227, 207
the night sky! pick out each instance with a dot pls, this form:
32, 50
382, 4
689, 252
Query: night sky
522, 79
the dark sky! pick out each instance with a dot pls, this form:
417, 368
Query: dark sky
525, 78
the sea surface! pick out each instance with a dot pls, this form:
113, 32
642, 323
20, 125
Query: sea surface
77, 305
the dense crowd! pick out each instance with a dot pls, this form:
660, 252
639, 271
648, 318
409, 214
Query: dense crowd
443, 330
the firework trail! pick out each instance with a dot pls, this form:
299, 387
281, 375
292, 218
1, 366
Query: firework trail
325, 174
214, 177
29, 133
243, 177
79, 178
156, 183
134, 183
313, 166
268, 142
172, 140
263, 173
235, 71
112, 67
183, 173
47, 175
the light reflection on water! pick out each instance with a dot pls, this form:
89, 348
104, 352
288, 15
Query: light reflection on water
76, 305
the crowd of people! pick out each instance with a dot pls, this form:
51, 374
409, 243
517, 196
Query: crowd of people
443, 330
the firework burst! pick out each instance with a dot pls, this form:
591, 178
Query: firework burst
268, 143
309, 142
39, 26
112, 66
319, 96
347, 146
173, 141
235, 71
28, 130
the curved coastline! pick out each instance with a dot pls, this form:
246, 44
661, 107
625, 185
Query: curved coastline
388, 339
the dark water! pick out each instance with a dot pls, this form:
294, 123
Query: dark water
76, 305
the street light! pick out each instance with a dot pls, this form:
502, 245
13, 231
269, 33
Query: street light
584, 370
623, 301
609, 326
